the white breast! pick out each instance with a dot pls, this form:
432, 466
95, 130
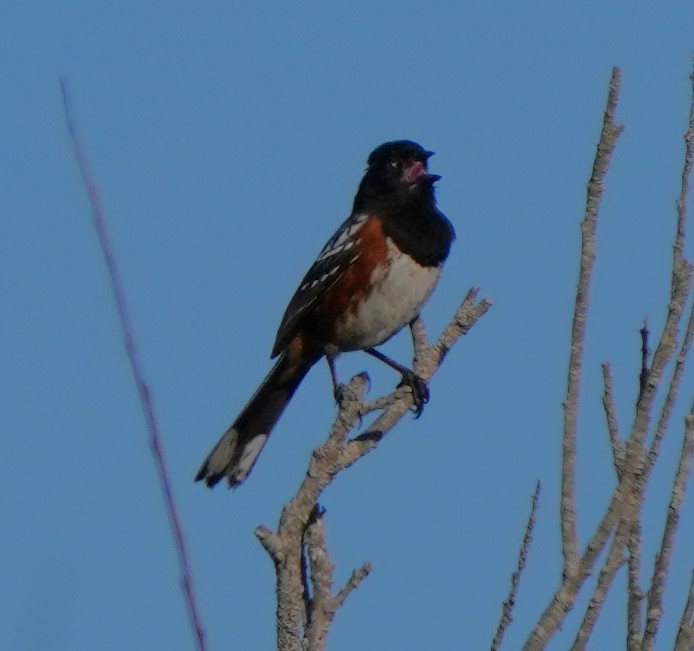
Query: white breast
400, 291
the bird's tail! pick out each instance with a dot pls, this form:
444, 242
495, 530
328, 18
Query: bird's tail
237, 451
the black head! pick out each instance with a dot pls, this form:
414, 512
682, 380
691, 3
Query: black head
401, 162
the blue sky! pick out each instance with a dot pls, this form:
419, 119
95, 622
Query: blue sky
227, 139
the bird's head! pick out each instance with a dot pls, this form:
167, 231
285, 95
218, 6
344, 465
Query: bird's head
401, 163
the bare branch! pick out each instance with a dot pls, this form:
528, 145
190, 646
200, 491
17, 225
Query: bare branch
614, 561
611, 416
685, 634
608, 140
466, 316
624, 510
270, 542
321, 571
300, 528
680, 288
673, 391
155, 440
678, 256
643, 376
679, 291
634, 592
664, 556
507, 609
352, 584
576, 572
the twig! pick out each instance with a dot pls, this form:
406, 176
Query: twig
352, 584
155, 442
673, 390
634, 592
625, 505
614, 561
575, 572
680, 288
664, 556
507, 609
679, 291
685, 634
643, 376
678, 260
611, 416
608, 140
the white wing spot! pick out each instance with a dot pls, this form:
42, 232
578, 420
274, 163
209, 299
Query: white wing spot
345, 240
353, 229
314, 283
327, 253
303, 287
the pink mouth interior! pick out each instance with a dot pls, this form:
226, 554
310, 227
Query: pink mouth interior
415, 171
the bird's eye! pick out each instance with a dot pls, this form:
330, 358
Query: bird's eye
394, 164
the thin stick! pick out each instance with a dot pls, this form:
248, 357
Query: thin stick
352, 584
643, 376
575, 571
634, 592
507, 609
611, 416
608, 140
664, 556
685, 635
99, 222
673, 390
614, 561
678, 255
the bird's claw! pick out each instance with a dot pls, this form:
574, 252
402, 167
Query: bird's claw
341, 394
420, 391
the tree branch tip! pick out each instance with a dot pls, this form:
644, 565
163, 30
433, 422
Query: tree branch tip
270, 541
352, 584
360, 384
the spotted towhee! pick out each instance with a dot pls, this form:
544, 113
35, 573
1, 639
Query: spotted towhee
370, 280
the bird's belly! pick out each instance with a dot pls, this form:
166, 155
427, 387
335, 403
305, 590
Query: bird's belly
399, 292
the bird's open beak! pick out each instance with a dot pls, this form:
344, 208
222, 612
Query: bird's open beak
416, 171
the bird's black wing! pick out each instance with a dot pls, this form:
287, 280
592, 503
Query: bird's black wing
337, 255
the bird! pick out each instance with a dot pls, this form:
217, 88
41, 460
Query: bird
369, 281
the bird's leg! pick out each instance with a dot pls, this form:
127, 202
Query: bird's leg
420, 389
331, 354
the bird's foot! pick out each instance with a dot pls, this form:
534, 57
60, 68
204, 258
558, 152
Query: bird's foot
341, 394
420, 391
